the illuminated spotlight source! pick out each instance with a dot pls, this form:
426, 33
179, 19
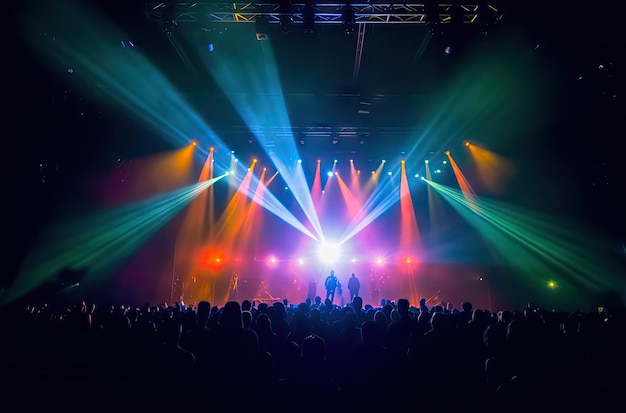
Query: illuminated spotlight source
373, 172
351, 161
408, 260
254, 160
380, 260
445, 162
467, 143
337, 173
417, 175
552, 284
335, 161
422, 178
389, 173
272, 259
329, 173
328, 253
227, 173
232, 172
402, 161
353, 259
236, 160
299, 160
300, 261
447, 152
383, 161
425, 160
211, 149
232, 152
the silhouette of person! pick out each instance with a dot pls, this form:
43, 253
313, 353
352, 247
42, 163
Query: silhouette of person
330, 284
353, 286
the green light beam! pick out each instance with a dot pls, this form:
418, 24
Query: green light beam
537, 243
101, 240
73, 37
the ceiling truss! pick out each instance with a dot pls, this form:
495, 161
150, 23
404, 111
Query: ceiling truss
325, 13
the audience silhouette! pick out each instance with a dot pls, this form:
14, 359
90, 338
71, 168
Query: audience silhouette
311, 357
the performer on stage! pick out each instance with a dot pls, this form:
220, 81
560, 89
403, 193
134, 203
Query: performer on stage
330, 284
353, 286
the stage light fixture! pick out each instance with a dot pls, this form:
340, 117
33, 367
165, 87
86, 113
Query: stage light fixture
168, 18
348, 17
285, 10
308, 17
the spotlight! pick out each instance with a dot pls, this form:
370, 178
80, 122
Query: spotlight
168, 18
285, 9
329, 253
330, 173
308, 17
348, 18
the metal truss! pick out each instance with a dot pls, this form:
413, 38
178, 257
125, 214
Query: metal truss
325, 13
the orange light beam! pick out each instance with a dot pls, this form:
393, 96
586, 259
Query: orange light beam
466, 188
352, 204
410, 238
493, 169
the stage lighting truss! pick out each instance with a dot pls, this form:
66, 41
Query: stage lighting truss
478, 13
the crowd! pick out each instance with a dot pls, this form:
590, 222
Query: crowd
312, 357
